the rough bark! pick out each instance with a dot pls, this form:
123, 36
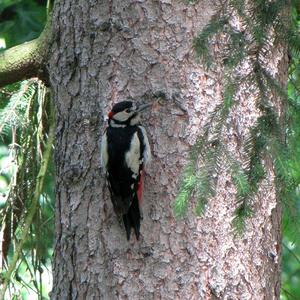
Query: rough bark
106, 51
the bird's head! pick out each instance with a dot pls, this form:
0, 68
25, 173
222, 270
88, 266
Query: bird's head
126, 113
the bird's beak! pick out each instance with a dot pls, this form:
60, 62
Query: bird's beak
143, 107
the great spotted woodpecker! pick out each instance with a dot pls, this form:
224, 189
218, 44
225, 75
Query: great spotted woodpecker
125, 151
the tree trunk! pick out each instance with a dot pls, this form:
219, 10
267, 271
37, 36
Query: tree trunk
107, 51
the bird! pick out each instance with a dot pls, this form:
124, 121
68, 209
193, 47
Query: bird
125, 151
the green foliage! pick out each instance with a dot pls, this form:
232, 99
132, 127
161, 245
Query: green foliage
290, 170
201, 43
12, 115
21, 21
264, 25
257, 21
25, 122
24, 125
203, 164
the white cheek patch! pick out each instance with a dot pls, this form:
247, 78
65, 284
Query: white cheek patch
121, 116
132, 157
135, 120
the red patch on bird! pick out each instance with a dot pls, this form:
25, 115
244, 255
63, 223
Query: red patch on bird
110, 114
140, 188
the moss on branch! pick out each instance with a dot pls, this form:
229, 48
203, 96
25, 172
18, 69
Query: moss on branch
25, 60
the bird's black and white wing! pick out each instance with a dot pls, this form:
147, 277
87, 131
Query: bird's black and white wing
104, 153
145, 146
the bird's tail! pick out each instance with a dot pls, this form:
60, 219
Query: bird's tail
132, 219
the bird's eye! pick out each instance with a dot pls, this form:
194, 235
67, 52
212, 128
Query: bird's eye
127, 110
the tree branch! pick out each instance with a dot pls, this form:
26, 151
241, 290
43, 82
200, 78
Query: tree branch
33, 207
25, 60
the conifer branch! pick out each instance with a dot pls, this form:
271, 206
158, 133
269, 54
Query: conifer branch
32, 209
263, 25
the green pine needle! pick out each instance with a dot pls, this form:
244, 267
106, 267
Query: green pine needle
265, 139
241, 214
201, 42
